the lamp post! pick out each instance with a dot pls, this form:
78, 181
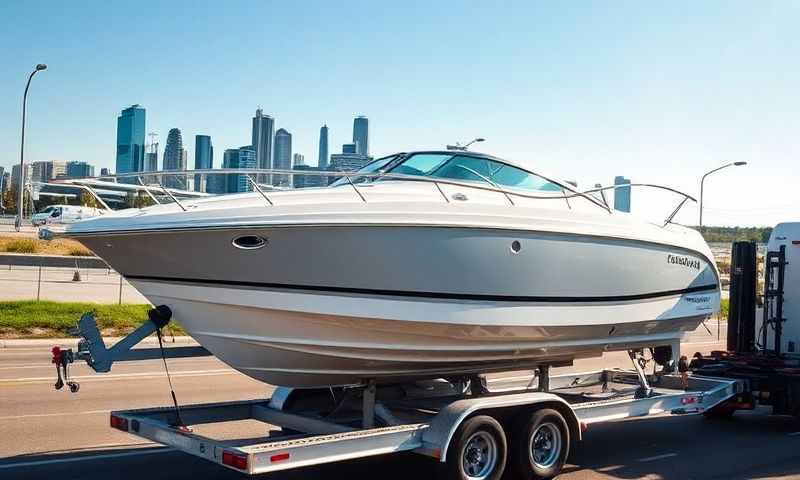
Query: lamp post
702, 181
21, 187
463, 148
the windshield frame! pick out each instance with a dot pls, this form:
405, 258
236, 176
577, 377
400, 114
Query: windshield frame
401, 157
463, 153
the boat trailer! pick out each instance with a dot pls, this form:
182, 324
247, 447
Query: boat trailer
462, 422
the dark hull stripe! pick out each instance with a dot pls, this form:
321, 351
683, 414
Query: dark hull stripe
432, 295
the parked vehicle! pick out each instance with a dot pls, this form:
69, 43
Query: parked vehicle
63, 214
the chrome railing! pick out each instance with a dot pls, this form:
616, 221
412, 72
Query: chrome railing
564, 193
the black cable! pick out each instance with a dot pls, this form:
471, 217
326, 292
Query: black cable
178, 420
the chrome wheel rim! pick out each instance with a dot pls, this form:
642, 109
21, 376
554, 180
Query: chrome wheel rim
545, 445
479, 456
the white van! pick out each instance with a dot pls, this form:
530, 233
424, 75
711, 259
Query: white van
63, 214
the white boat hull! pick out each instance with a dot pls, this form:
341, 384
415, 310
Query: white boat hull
284, 338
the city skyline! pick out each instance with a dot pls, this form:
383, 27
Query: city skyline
584, 92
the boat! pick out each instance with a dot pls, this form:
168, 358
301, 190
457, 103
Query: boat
421, 265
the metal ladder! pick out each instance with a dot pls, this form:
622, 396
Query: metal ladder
774, 274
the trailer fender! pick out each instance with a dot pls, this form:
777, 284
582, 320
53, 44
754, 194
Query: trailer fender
438, 435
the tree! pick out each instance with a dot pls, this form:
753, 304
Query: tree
143, 200
10, 199
89, 200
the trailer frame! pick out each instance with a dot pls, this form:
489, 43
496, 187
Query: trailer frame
322, 441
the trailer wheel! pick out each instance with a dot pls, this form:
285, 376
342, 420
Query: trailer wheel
478, 450
540, 445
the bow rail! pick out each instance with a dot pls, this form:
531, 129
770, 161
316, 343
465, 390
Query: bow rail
564, 193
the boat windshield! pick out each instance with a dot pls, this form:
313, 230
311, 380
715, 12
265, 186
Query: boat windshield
371, 167
473, 169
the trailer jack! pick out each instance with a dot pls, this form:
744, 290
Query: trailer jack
92, 348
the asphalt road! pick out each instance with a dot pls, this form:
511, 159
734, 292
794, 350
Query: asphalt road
46, 434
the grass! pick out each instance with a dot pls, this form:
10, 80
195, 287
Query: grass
41, 319
22, 245
80, 252
61, 246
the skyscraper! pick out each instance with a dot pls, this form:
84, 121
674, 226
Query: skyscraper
263, 128
298, 159
203, 159
48, 170
130, 140
151, 154
242, 157
622, 195
305, 181
79, 170
283, 156
173, 159
350, 148
361, 135
15, 175
322, 161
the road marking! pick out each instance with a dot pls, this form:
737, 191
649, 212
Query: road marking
37, 415
119, 376
657, 457
102, 456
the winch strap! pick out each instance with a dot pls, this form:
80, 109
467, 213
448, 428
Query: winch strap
179, 420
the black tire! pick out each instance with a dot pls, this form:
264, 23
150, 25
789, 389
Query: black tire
480, 436
543, 425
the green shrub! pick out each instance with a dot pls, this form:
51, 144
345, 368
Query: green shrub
724, 304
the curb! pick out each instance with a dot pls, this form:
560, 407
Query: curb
73, 342
61, 261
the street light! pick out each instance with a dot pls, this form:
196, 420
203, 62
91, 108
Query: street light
21, 187
463, 148
702, 180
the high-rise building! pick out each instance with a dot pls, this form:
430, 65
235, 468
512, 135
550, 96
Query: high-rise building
130, 140
174, 159
151, 153
347, 162
283, 157
263, 132
216, 183
350, 148
322, 161
306, 181
79, 170
361, 135
151, 161
242, 157
104, 171
622, 195
15, 175
44, 171
203, 159
298, 159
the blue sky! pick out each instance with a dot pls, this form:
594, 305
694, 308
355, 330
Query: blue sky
581, 90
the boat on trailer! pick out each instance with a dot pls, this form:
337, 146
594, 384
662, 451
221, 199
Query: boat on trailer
422, 265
